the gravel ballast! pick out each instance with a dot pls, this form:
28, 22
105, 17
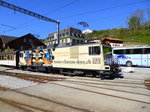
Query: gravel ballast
14, 83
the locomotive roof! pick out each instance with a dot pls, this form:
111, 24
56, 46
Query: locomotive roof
11, 52
64, 45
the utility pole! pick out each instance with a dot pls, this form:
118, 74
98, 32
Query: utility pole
30, 13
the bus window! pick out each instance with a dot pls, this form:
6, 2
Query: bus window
5, 58
8, 57
137, 51
94, 50
128, 51
2, 57
147, 51
118, 51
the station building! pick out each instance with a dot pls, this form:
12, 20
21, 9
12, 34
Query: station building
68, 35
113, 42
25, 42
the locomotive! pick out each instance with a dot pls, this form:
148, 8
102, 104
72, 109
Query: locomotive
70, 60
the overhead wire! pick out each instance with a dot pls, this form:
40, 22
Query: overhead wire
7, 26
22, 25
66, 5
96, 11
89, 12
104, 9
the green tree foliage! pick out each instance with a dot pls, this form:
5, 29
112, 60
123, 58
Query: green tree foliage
136, 20
134, 23
138, 30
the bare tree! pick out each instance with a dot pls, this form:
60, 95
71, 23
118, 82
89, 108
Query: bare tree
148, 14
136, 20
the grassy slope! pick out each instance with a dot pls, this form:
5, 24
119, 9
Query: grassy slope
138, 37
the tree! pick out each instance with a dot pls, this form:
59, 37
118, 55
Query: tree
147, 23
148, 13
136, 20
134, 23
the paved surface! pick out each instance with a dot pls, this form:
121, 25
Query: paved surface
126, 93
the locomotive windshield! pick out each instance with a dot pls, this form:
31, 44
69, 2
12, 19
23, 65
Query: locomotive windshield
107, 51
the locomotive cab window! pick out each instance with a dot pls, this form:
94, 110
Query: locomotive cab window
21, 55
95, 50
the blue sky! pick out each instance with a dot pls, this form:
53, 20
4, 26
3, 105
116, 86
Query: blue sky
99, 14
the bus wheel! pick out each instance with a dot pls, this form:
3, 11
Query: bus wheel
129, 64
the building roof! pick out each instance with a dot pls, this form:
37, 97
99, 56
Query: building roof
112, 39
5, 39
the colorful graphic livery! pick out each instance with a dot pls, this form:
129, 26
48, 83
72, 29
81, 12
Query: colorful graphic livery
35, 58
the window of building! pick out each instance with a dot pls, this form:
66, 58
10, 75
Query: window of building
30, 40
8, 57
11, 56
2, 57
5, 58
24, 40
94, 50
73, 41
62, 41
66, 40
21, 47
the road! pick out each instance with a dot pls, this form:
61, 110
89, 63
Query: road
126, 93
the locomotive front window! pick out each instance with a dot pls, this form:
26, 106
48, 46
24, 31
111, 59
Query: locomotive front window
94, 50
107, 50
21, 54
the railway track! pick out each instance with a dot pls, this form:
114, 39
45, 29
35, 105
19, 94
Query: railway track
29, 108
22, 106
106, 88
3, 89
101, 93
45, 79
91, 83
113, 81
147, 83
40, 79
34, 78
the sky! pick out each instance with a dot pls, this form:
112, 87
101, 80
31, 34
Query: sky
99, 14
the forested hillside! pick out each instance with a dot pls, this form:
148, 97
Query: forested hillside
138, 31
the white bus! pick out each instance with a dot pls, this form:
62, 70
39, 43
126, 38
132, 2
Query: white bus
139, 56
